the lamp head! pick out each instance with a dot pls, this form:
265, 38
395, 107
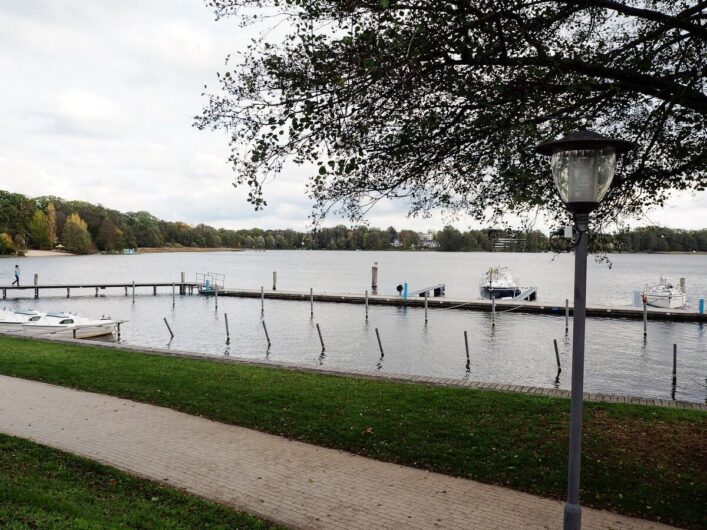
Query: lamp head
583, 166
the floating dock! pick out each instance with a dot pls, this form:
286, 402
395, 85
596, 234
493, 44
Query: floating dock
183, 288
654, 313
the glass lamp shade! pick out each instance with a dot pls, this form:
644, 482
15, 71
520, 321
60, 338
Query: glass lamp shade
583, 176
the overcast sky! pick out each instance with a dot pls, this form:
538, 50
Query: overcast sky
97, 99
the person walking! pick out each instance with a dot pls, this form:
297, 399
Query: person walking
17, 276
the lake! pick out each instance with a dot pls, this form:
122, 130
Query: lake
517, 350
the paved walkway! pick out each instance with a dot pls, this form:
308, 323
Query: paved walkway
292, 483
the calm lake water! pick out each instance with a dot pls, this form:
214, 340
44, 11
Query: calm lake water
518, 350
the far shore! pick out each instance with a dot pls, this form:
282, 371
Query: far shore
156, 250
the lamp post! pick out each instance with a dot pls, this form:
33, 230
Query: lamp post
583, 165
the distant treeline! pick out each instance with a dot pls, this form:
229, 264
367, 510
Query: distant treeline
81, 227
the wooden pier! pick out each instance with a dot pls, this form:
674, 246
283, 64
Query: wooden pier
654, 313
183, 287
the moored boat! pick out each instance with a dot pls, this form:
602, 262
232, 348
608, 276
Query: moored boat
665, 294
13, 320
498, 283
68, 325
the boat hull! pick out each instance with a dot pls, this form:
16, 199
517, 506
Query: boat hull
666, 301
499, 292
79, 332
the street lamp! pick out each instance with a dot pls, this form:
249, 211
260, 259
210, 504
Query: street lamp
583, 165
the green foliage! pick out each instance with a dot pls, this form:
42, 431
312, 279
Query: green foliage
441, 102
7, 246
75, 235
638, 460
39, 230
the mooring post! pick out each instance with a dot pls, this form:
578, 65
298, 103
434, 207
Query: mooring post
374, 277
133, 291
36, 279
126, 290
68, 292
366, 302
675, 363
73, 332
154, 290
567, 316
118, 326
380, 345
265, 328
557, 356
645, 320
36, 293
262, 300
173, 294
274, 280
182, 288
311, 303
216, 294
228, 334
426, 295
4, 294
493, 311
466, 347
168, 328
320, 337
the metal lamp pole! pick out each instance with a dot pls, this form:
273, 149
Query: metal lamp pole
583, 165
573, 514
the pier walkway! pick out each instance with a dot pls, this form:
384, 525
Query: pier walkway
654, 313
287, 482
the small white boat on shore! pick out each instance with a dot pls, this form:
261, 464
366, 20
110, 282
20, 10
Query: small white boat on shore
12, 321
665, 294
68, 325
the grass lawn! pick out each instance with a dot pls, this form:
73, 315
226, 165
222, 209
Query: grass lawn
45, 488
637, 460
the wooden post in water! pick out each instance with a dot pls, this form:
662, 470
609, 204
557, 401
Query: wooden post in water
675, 363
567, 316
274, 280
133, 291
216, 294
645, 320
466, 347
96, 292
173, 294
374, 277
170, 329
126, 290
557, 356
265, 328
36, 279
68, 292
262, 301
380, 345
311, 303
426, 294
182, 289
320, 337
366, 302
228, 334
493, 311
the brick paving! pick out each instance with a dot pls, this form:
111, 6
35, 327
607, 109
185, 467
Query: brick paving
292, 483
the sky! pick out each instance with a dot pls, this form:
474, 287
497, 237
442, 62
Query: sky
97, 100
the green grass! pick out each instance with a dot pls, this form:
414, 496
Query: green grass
45, 488
637, 460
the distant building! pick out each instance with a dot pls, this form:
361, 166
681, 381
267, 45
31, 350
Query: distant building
427, 240
506, 243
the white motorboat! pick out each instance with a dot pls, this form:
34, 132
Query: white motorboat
13, 320
68, 325
665, 294
498, 283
